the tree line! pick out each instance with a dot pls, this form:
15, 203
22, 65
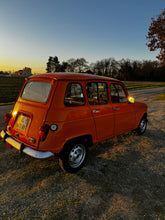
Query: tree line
4, 73
124, 69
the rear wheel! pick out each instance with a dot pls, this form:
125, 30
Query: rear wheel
73, 157
142, 126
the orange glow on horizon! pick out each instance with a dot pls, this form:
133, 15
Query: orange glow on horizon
14, 63
11, 68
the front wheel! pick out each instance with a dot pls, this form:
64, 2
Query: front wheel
142, 126
73, 157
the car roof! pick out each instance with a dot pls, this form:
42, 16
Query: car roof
72, 76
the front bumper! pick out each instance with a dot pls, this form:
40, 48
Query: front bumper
22, 148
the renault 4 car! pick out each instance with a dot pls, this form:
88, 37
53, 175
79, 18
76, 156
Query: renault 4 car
64, 114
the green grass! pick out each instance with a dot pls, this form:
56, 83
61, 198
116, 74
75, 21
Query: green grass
133, 85
161, 96
10, 87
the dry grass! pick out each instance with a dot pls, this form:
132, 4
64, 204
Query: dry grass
161, 97
9, 88
136, 85
124, 178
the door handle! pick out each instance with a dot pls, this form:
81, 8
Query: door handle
116, 108
96, 111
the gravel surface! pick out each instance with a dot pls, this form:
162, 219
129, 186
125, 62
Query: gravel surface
124, 177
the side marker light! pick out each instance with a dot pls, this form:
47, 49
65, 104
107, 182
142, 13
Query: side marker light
53, 127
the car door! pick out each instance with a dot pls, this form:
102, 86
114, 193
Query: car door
123, 110
101, 109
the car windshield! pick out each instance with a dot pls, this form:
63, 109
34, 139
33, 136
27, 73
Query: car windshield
36, 91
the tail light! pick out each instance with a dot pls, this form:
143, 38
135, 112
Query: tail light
7, 118
8, 145
43, 132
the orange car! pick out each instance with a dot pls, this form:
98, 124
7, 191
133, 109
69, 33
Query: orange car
65, 113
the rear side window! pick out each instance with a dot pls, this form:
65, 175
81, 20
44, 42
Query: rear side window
74, 95
118, 94
97, 93
37, 91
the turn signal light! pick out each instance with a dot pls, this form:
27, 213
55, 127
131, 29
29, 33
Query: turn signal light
43, 132
131, 99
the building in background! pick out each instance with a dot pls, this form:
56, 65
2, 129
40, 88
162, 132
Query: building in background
26, 72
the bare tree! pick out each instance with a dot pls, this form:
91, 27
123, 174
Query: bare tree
106, 67
71, 65
81, 64
124, 69
113, 67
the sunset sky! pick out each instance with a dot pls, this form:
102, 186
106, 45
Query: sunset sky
33, 30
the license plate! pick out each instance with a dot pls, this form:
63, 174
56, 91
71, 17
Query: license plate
22, 122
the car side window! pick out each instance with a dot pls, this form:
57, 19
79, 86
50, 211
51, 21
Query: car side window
118, 94
74, 95
97, 93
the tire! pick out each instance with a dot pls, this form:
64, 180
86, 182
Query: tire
73, 157
142, 126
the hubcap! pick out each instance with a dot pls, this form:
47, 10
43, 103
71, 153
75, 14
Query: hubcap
143, 125
77, 155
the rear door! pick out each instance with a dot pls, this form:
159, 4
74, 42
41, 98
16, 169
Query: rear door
123, 110
102, 111
30, 110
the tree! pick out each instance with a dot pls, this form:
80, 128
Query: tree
64, 66
99, 68
71, 65
81, 64
49, 65
156, 36
125, 69
53, 65
76, 65
112, 67
56, 64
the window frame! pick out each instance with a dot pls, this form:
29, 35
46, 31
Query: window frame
71, 105
123, 89
98, 95
34, 100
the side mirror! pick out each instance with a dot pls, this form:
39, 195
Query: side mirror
131, 99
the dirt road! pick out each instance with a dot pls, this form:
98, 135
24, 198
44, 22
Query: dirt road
124, 177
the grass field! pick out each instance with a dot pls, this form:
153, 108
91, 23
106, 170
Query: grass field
10, 87
133, 85
161, 96
123, 179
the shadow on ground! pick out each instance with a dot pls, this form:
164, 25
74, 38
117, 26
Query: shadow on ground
124, 178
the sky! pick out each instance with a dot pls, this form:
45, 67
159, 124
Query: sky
33, 30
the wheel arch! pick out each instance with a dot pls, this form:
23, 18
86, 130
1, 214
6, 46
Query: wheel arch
142, 125
86, 139
145, 115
